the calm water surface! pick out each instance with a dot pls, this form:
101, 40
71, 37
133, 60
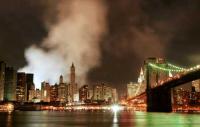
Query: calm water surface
98, 119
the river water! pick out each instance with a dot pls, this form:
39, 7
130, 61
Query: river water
97, 119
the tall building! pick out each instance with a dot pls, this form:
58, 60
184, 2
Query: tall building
72, 74
54, 93
98, 92
73, 88
10, 84
141, 83
38, 94
84, 93
114, 96
21, 88
132, 89
103, 92
2, 79
45, 92
141, 77
30, 87
31, 93
62, 90
196, 85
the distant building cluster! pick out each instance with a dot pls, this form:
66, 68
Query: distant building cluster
15, 86
182, 97
136, 88
19, 87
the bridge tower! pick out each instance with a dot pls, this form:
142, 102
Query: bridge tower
158, 100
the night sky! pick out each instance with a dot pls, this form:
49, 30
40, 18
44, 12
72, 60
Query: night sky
135, 30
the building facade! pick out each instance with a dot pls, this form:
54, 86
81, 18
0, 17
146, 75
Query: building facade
84, 93
132, 89
103, 92
10, 84
73, 87
54, 93
45, 92
21, 94
2, 79
30, 86
62, 91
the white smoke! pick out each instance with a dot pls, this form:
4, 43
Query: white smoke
75, 38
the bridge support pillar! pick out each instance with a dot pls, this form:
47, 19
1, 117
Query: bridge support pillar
159, 100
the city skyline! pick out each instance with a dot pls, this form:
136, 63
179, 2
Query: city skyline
123, 34
99, 63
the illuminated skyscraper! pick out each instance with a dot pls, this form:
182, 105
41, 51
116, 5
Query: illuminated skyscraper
141, 83
72, 74
45, 92
103, 92
30, 85
10, 84
38, 94
21, 87
114, 96
62, 90
54, 93
73, 90
32, 93
2, 79
84, 93
132, 89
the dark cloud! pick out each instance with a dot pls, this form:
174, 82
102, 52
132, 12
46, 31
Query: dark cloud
21, 25
136, 30
139, 29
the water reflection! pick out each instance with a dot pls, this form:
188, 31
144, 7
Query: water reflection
167, 119
9, 120
115, 119
98, 119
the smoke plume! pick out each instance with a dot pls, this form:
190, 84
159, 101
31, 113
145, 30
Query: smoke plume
74, 38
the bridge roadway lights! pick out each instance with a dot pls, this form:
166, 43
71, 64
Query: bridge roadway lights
159, 100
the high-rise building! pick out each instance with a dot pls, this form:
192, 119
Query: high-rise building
72, 74
141, 83
21, 87
2, 79
10, 84
62, 90
132, 89
98, 92
54, 93
31, 93
114, 96
107, 93
103, 92
45, 92
196, 85
84, 93
29, 85
38, 94
73, 88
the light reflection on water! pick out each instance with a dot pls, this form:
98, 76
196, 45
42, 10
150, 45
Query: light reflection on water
98, 119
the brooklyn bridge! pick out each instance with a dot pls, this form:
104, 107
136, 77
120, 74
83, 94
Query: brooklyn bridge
160, 77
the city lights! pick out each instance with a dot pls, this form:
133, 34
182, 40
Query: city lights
116, 108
